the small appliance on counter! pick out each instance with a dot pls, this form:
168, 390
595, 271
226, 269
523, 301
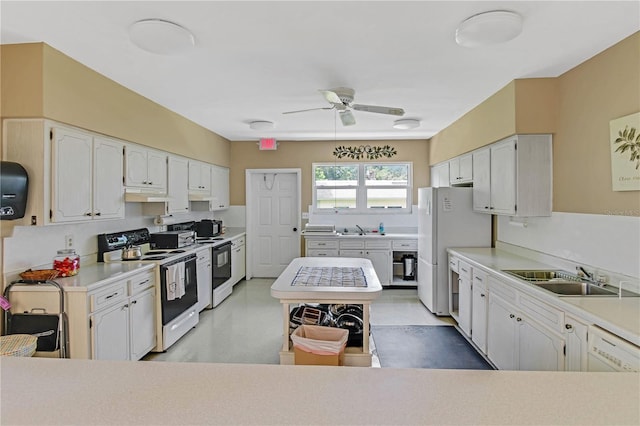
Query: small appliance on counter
172, 239
208, 228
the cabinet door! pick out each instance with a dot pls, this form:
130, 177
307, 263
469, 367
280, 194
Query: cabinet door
203, 277
479, 302
199, 177
135, 160
576, 343
220, 187
539, 349
381, 260
72, 172
482, 180
238, 266
464, 305
110, 333
501, 333
440, 175
142, 319
108, 192
503, 177
454, 171
178, 188
466, 168
157, 171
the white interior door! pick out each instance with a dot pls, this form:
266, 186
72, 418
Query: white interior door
273, 221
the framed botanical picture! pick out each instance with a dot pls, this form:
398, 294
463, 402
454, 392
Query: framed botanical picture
625, 152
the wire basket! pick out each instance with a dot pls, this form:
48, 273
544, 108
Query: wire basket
39, 274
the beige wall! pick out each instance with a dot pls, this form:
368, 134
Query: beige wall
42, 82
576, 108
301, 154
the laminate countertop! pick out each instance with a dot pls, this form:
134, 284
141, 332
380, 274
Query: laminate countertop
53, 391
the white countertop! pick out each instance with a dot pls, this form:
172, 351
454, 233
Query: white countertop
621, 316
53, 391
368, 235
283, 290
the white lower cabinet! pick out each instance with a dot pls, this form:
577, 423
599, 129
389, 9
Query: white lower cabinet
381, 261
204, 278
464, 297
238, 260
479, 303
576, 344
122, 321
518, 340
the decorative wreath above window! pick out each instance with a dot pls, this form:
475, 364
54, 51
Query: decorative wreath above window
356, 152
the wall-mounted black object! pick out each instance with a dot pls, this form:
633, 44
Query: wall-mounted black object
14, 187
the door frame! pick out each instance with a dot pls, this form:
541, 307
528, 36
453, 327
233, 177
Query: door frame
250, 233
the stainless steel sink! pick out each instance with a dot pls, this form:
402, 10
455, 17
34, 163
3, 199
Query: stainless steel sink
542, 275
570, 288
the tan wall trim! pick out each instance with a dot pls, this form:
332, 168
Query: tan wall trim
21, 80
302, 154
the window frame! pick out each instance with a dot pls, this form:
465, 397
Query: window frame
362, 189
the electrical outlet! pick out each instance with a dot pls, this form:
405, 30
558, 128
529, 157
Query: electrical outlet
68, 241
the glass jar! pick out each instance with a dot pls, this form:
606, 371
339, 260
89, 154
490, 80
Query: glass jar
66, 262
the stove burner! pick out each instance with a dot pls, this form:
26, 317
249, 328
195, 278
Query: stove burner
177, 251
155, 258
156, 252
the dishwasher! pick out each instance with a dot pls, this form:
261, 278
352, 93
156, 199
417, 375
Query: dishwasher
608, 352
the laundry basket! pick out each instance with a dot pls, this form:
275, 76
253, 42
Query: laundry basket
18, 345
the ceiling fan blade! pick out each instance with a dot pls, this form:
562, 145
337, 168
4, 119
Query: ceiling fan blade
305, 110
378, 109
331, 97
347, 118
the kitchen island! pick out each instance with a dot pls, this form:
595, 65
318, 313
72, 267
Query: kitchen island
320, 286
72, 392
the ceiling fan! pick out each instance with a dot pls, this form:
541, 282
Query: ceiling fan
341, 99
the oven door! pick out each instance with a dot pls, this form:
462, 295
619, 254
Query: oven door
221, 268
173, 282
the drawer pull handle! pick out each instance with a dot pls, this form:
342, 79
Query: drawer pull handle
478, 278
111, 295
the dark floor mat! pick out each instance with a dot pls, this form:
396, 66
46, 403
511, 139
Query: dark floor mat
425, 346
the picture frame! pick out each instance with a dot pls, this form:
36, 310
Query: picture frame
624, 140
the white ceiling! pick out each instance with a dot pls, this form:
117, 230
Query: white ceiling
255, 60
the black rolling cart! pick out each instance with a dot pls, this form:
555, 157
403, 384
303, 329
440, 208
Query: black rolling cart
51, 328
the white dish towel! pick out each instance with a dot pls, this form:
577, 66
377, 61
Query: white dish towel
174, 278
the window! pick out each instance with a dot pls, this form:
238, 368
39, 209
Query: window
361, 188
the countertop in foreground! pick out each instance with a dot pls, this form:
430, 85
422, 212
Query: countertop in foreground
54, 391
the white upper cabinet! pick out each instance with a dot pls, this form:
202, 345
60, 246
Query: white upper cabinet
178, 169
440, 175
219, 188
199, 177
145, 169
86, 177
461, 170
514, 177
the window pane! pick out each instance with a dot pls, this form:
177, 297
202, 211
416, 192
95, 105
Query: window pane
387, 198
386, 174
336, 198
336, 175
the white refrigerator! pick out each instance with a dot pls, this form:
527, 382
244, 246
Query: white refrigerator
445, 219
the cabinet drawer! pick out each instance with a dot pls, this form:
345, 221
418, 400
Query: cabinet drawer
322, 253
377, 244
141, 282
453, 263
405, 245
322, 244
238, 242
108, 296
542, 313
479, 279
351, 244
464, 269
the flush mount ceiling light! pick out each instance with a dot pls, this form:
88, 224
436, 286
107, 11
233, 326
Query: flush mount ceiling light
161, 37
261, 125
487, 28
407, 123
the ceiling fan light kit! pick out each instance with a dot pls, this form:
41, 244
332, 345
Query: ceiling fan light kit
261, 125
405, 124
161, 36
488, 28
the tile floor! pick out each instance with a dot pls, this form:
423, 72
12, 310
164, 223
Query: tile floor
247, 326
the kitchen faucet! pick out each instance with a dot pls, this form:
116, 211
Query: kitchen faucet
361, 230
588, 276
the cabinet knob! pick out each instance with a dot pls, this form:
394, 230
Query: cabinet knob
87, 214
134, 302
486, 207
295, 229
511, 316
144, 182
518, 319
568, 326
150, 183
98, 213
481, 294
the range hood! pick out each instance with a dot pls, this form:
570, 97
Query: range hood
145, 197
